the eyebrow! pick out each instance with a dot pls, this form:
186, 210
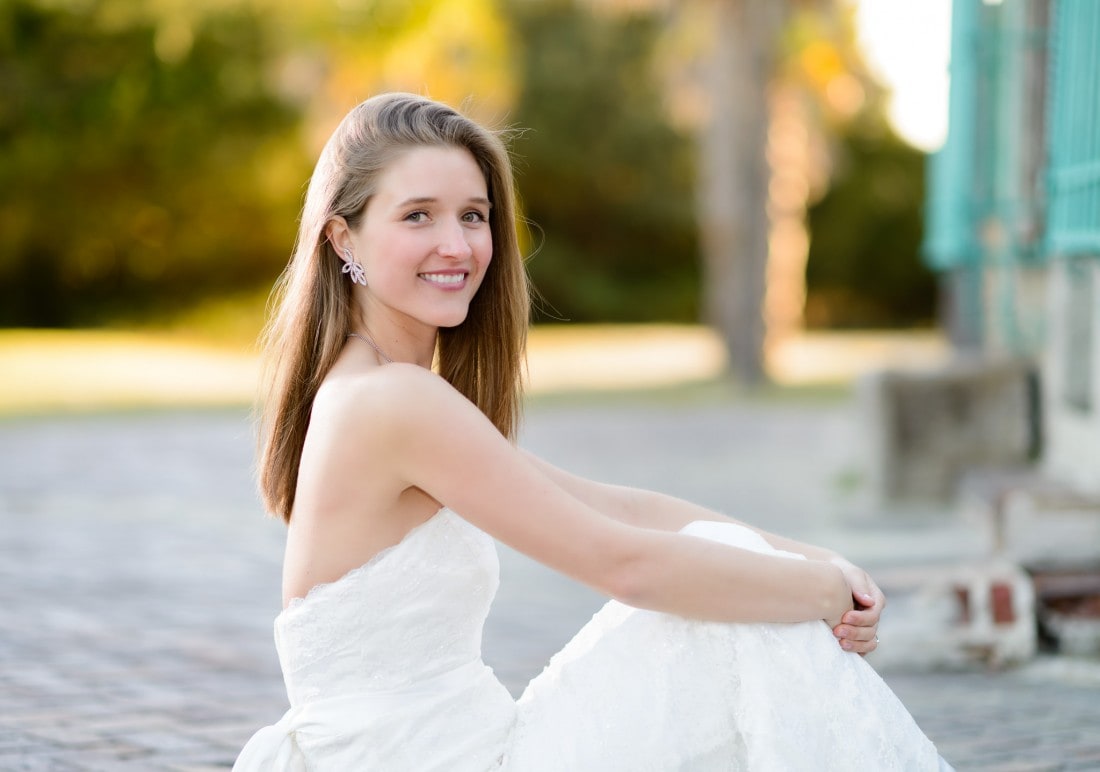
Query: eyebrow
431, 200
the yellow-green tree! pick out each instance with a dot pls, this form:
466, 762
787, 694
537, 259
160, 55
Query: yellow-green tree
154, 152
604, 176
134, 173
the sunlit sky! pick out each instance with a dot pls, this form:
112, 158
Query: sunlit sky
907, 44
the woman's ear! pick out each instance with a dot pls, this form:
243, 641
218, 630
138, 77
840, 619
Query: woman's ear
338, 234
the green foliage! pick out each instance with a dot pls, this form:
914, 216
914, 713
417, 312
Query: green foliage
864, 267
132, 180
153, 155
602, 174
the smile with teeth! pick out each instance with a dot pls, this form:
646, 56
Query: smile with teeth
444, 279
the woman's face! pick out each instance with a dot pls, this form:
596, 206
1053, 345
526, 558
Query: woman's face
424, 240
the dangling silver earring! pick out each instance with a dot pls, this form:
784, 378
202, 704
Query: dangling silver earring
353, 269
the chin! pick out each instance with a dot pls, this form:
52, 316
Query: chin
452, 319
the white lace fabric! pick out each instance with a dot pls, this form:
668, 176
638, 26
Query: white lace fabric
414, 611
383, 669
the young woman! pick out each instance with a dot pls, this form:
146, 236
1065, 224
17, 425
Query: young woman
396, 350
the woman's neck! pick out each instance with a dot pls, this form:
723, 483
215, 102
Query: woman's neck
395, 341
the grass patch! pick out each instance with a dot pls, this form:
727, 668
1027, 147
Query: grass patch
207, 357
711, 391
230, 321
48, 371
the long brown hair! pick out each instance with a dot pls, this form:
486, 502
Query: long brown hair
482, 357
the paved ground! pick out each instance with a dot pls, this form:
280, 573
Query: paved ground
138, 579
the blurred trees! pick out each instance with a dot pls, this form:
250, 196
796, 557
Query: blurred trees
138, 170
864, 268
332, 55
603, 175
788, 84
733, 177
154, 152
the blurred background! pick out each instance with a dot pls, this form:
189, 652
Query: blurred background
756, 169
831, 266
867, 198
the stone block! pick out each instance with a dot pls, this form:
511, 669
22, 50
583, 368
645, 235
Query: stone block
924, 429
1040, 529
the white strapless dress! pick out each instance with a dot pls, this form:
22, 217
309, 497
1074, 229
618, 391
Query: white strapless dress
383, 670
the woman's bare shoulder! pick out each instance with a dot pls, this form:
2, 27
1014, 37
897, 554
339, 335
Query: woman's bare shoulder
383, 398
364, 421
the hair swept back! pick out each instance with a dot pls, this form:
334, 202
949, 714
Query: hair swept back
311, 304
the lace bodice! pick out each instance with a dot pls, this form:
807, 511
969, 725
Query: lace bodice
415, 611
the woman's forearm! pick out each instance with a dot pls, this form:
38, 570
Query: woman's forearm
701, 579
657, 510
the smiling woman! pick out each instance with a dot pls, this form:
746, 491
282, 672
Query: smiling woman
318, 309
423, 245
725, 647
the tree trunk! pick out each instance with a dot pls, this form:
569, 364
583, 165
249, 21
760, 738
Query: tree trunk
733, 179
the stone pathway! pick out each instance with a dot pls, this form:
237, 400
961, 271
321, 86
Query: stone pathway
139, 579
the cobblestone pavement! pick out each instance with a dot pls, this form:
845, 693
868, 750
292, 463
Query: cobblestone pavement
139, 580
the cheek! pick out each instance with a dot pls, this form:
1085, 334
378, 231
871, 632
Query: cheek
484, 258
485, 250
396, 255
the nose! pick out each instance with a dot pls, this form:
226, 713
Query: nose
453, 242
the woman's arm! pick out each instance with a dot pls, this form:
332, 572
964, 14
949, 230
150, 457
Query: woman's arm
428, 436
648, 509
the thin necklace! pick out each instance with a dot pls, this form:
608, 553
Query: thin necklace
370, 342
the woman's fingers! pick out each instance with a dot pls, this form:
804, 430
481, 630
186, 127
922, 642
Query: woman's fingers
859, 640
865, 617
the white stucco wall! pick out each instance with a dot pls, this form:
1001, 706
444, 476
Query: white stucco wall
1072, 434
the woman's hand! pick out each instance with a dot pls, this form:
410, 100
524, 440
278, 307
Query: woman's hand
858, 628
